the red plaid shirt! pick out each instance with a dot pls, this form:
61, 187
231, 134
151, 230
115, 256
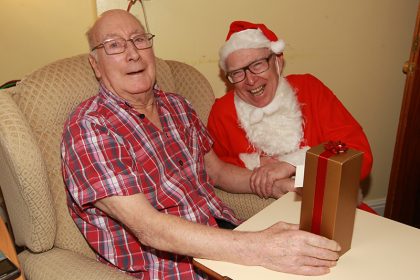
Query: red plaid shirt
110, 149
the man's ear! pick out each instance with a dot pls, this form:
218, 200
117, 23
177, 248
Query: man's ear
280, 59
94, 64
280, 63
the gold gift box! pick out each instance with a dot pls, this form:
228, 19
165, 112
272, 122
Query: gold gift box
330, 193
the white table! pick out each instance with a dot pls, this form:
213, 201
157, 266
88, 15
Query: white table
381, 248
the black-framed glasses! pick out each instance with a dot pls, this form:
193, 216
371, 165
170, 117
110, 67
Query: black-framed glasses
257, 67
119, 45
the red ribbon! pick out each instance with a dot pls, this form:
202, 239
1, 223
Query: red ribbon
336, 147
331, 148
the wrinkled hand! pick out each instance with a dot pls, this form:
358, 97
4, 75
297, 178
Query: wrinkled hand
262, 179
287, 249
267, 160
283, 186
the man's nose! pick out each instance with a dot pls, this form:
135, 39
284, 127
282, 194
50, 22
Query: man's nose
132, 51
250, 77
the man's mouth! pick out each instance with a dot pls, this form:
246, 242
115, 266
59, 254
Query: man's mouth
134, 72
257, 91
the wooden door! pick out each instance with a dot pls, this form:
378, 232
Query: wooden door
403, 200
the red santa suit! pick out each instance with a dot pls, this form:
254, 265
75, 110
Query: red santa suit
303, 113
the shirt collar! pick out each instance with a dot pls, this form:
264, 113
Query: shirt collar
125, 104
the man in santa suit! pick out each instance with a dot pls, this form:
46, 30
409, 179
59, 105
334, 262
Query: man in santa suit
267, 122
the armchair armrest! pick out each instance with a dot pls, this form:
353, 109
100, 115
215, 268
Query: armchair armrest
244, 205
59, 264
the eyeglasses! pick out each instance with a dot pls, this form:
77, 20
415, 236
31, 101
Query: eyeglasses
257, 67
119, 45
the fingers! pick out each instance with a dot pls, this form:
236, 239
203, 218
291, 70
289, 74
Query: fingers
267, 185
314, 267
320, 248
290, 184
311, 270
308, 244
321, 253
322, 242
272, 180
285, 226
254, 183
283, 186
315, 262
295, 251
304, 266
261, 182
314, 245
299, 191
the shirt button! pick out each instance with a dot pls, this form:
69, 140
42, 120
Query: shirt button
142, 116
181, 162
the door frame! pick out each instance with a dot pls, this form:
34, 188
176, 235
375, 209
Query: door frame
404, 184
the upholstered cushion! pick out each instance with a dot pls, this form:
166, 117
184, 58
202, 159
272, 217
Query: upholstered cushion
194, 86
24, 181
46, 97
59, 264
244, 205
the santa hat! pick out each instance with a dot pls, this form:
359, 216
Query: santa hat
247, 35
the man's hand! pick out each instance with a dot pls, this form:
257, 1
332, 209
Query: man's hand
267, 160
263, 178
283, 186
287, 249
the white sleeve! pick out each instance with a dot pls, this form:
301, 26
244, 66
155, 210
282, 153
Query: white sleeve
295, 158
251, 161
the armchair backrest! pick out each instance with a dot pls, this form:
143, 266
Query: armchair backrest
31, 123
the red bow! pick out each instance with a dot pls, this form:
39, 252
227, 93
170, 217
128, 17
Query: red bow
336, 147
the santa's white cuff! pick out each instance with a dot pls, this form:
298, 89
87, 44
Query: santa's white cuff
295, 158
251, 161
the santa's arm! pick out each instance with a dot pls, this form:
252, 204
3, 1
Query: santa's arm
254, 160
227, 135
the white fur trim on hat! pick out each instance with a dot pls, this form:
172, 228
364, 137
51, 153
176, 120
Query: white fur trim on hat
248, 39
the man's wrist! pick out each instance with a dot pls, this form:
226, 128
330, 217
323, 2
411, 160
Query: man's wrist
290, 168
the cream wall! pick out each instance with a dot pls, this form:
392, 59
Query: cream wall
356, 47
37, 32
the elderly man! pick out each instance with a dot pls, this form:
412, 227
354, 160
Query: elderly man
139, 167
267, 122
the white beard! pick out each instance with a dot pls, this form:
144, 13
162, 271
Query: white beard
276, 129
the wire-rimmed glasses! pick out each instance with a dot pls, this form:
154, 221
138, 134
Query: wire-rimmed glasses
119, 45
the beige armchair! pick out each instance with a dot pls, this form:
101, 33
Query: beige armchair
31, 120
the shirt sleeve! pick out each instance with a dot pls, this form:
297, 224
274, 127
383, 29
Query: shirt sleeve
96, 162
204, 139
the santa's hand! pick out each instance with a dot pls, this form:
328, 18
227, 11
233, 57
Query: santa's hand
262, 178
264, 160
283, 186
